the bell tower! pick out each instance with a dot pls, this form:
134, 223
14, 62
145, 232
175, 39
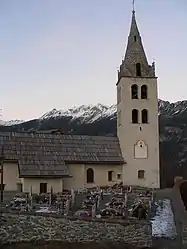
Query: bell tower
137, 114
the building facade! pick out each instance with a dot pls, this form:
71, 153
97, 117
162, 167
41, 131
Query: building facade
41, 161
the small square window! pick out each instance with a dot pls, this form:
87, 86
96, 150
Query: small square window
118, 176
141, 174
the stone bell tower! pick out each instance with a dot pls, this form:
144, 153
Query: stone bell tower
137, 114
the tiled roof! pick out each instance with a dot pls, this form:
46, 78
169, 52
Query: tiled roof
42, 154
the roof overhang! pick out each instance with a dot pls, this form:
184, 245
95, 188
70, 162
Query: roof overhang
97, 162
135, 78
45, 176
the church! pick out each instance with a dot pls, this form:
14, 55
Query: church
41, 161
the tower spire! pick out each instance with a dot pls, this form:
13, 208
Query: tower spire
135, 57
133, 8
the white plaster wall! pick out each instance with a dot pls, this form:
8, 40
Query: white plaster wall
78, 172
56, 184
10, 176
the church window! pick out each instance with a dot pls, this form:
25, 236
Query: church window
138, 70
141, 174
144, 116
134, 91
90, 175
134, 116
140, 150
110, 176
144, 92
134, 38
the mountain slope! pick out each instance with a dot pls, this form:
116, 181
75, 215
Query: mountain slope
93, 113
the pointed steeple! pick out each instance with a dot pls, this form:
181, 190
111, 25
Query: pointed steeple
135, 63
134, 28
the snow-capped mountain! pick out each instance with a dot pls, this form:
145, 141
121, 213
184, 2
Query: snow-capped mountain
170, 109
85, 113
93, 113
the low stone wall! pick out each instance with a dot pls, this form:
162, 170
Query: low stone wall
107, 219
74, 245
36, 229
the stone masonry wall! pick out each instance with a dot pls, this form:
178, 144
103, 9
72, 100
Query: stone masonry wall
36, 229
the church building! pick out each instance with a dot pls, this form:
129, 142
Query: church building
41, 161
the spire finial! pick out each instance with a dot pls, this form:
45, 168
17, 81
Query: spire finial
133, 7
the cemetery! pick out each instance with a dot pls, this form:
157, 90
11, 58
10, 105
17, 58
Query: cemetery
118, 213
116, 202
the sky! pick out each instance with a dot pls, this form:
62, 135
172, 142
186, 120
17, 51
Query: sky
65, 53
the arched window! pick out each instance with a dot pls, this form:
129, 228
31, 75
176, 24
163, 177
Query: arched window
138, 70
141, 174
134, 91
90, 175
144, 92
144, 116
134, 116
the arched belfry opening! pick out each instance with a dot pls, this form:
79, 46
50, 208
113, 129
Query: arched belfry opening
138, 70
183, 192
135, 116
144, 92
134, 91
144, 116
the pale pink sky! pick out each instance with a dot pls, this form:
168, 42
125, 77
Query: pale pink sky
57, 53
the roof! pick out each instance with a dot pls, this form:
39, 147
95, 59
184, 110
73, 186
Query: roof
42, 154
134, 55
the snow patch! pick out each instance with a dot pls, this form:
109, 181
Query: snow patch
11, 122
163, 225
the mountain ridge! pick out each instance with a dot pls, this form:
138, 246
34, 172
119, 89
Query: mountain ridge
91, 113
